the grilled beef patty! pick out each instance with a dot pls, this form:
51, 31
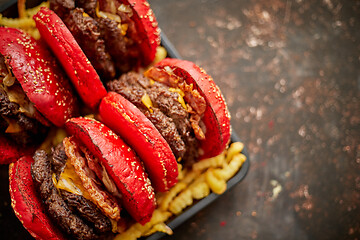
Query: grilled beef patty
86, 32
87, 210
75, 215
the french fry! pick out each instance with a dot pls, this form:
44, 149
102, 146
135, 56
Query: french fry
217, 185
216, 161
22, 23
165, 201
190, 177
21, 8
160, 227
137, 230
30, 12
229, 170
180, 202
234, 148
181, 171
33, 32
199, 188
25, 21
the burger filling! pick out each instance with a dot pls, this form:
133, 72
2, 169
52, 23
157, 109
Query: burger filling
174, 109
92, 184
82, 202
104, 31
19, 119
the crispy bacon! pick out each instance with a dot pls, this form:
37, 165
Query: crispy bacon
101, 198
195, 124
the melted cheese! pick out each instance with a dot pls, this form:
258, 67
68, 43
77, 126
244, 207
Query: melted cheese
145, 99
71, 182
16, 94
13, 127
180, 98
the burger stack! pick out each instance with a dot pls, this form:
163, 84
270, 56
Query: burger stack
148, 118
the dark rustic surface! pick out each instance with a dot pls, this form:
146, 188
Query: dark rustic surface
290, 71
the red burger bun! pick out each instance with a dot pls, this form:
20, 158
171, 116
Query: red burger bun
11, 152
41, 79
135, 128
79, 69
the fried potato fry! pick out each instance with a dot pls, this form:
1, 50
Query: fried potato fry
30, 12
229, 170
160, 227
216, 184
181, 171
21, 8
190, 176
165, 201
22, 23
199, 188
137, 230
25, 21
216, 161
234, 148
183, 200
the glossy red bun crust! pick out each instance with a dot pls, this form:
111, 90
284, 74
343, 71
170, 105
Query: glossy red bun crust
11, 152
79, 69
41, 79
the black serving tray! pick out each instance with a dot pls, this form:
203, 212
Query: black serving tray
9, 7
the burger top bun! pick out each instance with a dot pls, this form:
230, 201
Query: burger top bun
79, 69
39, 75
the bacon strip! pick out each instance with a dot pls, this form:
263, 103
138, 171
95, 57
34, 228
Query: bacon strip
101, 198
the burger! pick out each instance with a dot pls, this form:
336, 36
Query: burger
104, 175
82, 74
79, 190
